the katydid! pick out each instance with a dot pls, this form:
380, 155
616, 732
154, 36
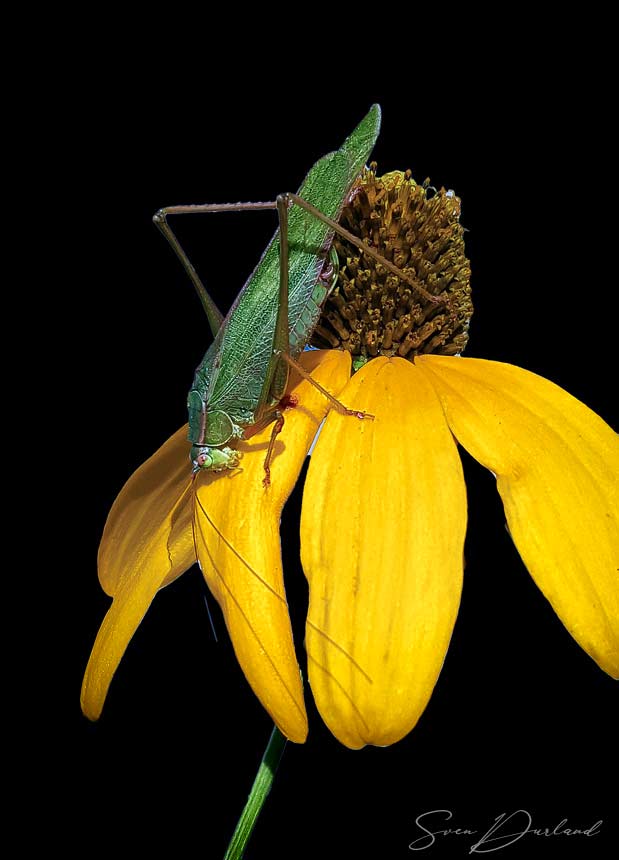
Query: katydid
239, 385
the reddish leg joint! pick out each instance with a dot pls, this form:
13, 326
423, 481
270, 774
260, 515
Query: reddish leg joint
288, 401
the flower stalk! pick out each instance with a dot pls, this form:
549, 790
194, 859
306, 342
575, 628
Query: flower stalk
259, 792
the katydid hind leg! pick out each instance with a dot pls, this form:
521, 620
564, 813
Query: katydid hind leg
276, 377
213, 314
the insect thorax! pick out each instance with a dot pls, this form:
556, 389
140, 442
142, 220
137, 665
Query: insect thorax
210, 426
210, 430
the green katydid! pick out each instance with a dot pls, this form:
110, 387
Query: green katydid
239, 385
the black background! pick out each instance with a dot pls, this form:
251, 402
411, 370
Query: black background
521, 717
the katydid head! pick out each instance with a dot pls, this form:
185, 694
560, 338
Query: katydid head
214, 459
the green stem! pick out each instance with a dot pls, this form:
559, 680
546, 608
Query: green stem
257, 796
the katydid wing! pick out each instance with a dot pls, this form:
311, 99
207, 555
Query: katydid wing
241, 379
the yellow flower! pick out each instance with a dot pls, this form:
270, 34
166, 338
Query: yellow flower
385, 581
164, 519
384, 509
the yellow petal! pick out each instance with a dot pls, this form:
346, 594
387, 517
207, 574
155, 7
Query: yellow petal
382, 536
147, 542
557, 468
237, 537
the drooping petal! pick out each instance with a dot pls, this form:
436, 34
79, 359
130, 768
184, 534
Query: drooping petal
382, 536
237, 537
147, 542
557, 469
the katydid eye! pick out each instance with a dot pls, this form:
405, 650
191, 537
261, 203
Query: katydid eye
219, 428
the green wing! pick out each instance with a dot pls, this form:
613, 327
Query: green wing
235, 366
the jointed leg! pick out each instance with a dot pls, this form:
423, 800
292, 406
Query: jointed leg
335, 403
214, 315
354, 240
